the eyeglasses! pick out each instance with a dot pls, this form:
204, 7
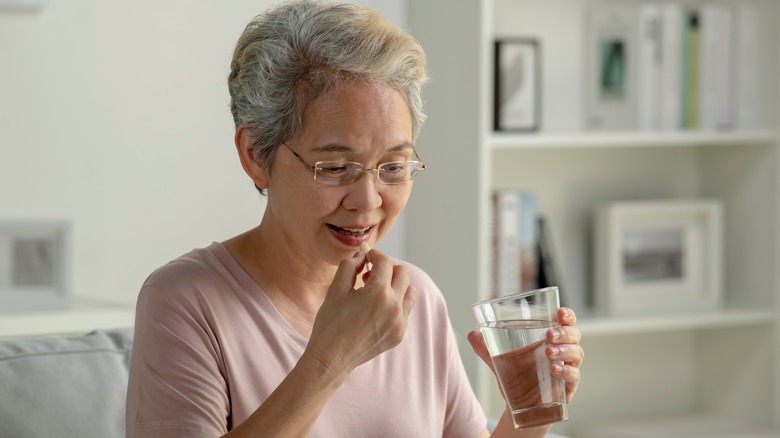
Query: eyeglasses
337, 173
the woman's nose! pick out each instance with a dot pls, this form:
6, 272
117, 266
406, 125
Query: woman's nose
364, 193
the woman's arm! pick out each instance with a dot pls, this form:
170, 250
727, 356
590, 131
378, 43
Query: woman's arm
351, 328
293, 408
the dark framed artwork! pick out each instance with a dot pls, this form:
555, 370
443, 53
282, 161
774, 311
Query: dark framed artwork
517, 84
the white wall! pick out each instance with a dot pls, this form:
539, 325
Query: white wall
114, 115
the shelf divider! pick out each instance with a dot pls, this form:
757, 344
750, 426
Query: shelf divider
595, 325
573, 140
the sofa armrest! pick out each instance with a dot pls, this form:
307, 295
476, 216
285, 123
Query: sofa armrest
65, 386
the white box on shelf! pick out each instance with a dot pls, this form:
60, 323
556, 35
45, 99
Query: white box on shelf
656, 257
611, 71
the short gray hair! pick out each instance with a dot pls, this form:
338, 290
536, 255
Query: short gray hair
292, 54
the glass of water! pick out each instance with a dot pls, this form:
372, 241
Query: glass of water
515, 328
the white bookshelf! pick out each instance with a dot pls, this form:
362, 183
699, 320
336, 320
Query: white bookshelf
673, 375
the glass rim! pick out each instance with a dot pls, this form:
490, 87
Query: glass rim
513, 296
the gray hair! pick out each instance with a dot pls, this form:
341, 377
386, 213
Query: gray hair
292, 54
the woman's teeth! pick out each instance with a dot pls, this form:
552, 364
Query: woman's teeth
354, 232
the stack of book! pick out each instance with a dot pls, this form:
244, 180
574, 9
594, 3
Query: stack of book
671, 66
522, 256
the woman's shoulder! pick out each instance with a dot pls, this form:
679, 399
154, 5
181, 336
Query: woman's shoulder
195, 270
427, 290
414, 270
192, 263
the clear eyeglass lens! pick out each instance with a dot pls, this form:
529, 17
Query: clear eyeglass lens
340, 172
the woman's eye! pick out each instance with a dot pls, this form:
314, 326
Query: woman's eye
394, 167
334, 169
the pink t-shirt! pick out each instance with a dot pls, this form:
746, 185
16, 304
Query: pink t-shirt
210, 347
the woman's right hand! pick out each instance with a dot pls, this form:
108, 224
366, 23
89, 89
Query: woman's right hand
355, 325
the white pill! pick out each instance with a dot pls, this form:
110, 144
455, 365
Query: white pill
364, 248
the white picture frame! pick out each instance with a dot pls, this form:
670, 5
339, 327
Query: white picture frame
34, 265
658, 257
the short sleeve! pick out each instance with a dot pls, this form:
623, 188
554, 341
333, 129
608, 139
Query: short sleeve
176, 386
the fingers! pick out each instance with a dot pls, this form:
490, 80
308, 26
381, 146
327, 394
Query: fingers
570, 375
385, 273
410, 298
382, 268
564, 341
566, 316
478, 345
564, 335
565, 351
570, 354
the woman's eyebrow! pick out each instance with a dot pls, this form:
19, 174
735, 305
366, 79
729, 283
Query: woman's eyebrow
337, 147
332, 147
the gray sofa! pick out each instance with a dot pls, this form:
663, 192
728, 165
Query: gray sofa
62, 387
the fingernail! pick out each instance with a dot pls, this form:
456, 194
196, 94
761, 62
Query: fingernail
555, 351
556, 334
557, 369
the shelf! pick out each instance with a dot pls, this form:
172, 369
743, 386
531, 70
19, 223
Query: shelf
590, 140
603, 325
701, 426
83, 316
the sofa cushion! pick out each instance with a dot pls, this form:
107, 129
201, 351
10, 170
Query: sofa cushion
65, 386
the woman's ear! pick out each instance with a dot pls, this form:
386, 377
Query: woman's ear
246, 154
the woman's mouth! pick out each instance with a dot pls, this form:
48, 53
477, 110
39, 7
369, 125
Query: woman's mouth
351, 232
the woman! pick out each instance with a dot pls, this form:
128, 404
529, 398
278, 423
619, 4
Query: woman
288, 330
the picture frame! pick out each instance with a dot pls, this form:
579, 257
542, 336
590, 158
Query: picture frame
34, 265
517, 84
658, 257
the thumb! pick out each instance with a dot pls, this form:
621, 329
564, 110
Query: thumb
480, 348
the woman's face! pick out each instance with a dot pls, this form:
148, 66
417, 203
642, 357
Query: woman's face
366, 123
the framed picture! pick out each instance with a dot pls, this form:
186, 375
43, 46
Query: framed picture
33, 265
517, 84
658, 257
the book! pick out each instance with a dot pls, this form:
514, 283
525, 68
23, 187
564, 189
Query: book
548, 273
671, 66
716, 67
611, 52
505, 255
746, 74
691, 58
515, 265
650, 63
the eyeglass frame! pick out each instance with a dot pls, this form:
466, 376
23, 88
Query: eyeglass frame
376, 170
